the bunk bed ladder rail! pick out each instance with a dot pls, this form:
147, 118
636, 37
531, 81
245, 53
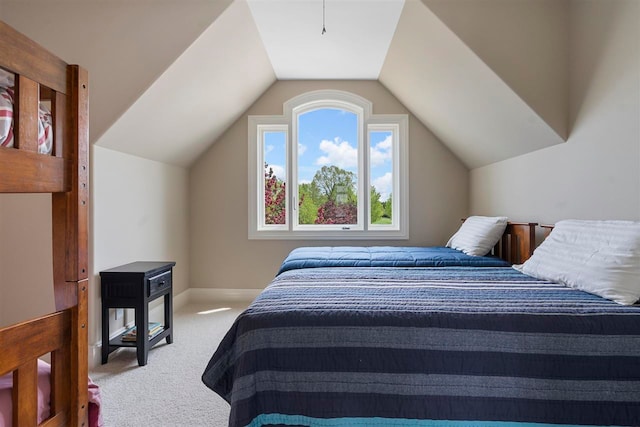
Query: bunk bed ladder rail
70, 231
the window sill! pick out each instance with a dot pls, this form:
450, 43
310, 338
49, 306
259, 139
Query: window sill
329, 235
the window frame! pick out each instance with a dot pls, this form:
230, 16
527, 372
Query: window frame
261, 129
396, 128
288, 122
296, 112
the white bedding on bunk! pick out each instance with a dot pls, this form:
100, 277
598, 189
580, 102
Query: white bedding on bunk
45, 121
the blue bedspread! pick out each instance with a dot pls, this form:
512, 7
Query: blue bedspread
447, 346
384, 256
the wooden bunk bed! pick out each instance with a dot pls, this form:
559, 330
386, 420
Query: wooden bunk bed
41, 76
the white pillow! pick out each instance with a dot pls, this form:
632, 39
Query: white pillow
478, 234
599, 257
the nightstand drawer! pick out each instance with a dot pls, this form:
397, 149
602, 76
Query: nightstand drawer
160, 283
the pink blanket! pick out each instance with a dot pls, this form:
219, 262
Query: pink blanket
44, 393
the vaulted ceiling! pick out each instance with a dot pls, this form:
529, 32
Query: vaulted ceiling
168, 77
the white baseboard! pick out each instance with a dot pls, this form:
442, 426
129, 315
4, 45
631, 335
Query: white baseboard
191, 295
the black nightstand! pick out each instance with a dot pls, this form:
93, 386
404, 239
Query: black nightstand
134, 286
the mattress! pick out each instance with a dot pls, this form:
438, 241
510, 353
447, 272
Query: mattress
384, 256
447, 346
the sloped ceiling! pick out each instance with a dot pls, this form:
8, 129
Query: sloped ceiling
203, 92
167, 80
125, 45
526, 43
454, 93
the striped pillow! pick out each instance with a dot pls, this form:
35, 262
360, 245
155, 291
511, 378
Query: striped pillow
6, 117
45, 129
478, 234
599, 257
45, 123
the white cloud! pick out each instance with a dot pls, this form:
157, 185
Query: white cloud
384, 185
386, 143
301, 149
339, 153
278, 171
268, 149
381, 152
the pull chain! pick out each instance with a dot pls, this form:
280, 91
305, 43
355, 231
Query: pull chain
324, 30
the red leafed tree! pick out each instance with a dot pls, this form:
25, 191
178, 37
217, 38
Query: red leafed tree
331, 212
275, 194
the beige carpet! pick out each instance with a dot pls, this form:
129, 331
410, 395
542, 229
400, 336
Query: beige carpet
168, 392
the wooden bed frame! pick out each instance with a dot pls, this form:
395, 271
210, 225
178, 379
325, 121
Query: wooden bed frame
64, 174
517, 243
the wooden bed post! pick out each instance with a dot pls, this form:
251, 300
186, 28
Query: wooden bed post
523, 240
70, 231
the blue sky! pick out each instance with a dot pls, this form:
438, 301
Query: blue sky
329, 137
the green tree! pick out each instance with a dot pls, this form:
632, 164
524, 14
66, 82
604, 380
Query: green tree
388, 208
335, 195
336, 184
307, 207
377, 209
312, 190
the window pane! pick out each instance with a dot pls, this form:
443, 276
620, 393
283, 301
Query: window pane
328, 167
381, 176
275, 177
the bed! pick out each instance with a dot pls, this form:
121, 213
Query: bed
41, 79
514, 246
430, 346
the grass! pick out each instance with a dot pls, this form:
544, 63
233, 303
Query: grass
383, 220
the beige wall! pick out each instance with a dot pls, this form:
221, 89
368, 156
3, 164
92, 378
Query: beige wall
596, 173
139, 213
221, 256
26, 272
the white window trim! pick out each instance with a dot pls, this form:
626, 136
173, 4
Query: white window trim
398, 124
398, 230
260, 131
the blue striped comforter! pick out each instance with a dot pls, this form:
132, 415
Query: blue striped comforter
448, 346
384, 256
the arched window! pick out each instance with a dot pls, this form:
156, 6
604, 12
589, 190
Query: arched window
328, 168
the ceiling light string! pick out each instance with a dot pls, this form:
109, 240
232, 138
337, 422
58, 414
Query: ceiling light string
324, 30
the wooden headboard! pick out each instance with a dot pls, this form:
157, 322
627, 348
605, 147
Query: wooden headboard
517, 242
546, 229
